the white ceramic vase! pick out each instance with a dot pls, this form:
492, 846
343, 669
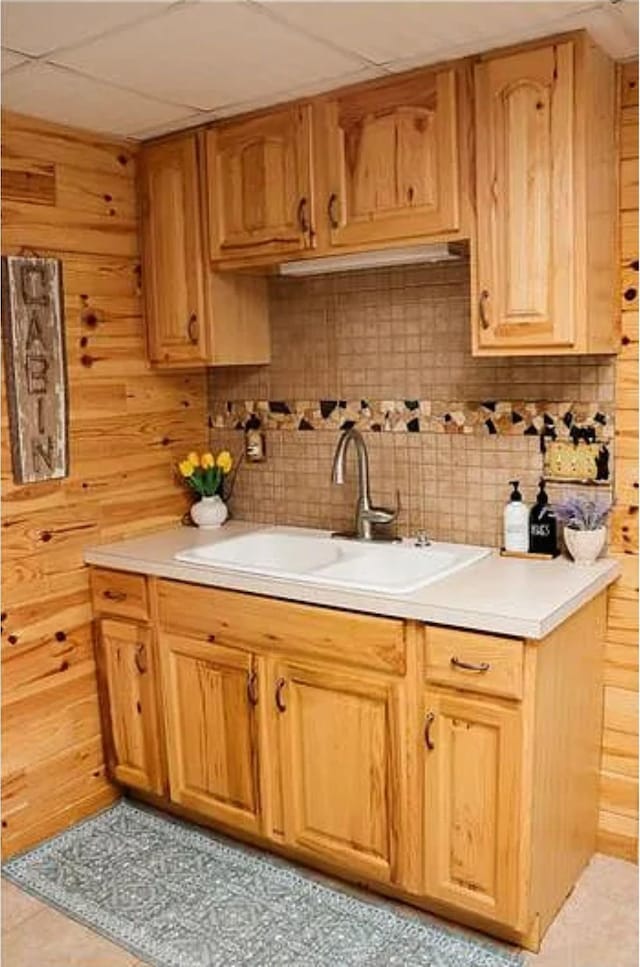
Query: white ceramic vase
209, 512
584, 546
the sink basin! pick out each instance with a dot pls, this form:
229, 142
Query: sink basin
314, 557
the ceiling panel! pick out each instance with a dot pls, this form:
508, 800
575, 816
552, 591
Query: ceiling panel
10, 60
389, 31
40, 90
210, 54
37, 28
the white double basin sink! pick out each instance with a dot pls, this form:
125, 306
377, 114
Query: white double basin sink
314, 557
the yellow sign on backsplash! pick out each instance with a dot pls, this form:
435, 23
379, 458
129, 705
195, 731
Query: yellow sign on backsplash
565, 460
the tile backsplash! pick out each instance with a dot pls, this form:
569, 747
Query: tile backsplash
389, 351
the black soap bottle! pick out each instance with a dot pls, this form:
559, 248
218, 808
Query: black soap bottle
543, 528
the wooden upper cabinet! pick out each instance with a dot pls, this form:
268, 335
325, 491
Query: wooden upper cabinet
173, 263
126, 665
211, 693
340, 766
259, 185
388, 156
546, 200
472, 811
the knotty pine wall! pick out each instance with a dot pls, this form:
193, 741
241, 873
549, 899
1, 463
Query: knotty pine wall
72, 195
618, 833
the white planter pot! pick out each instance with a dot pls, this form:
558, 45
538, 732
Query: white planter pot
209, 512
585, 546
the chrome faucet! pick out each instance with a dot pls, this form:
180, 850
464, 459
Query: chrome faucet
367, 516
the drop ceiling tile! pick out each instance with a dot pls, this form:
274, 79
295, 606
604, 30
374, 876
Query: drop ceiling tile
10, 60
615, 28
305, 90
39, 27
511, 23
44, 91
387, 32
210, 54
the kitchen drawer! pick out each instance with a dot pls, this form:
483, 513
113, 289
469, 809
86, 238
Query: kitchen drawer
282, 627
119, 593
497, 663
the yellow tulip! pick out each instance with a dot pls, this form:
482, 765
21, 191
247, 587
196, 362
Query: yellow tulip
207, 461
186, 468
224, 461
194, 459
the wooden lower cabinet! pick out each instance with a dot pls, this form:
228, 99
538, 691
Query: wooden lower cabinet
472, 781
454, 769
339, 760
126, 666
211, 695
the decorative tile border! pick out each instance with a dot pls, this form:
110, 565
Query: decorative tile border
591, 422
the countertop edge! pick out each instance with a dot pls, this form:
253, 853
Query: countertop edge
501, 624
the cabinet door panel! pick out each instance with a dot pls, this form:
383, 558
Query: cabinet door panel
392, 156
338, 756
472, 805
259, 182
173, 283
526, 204
212, 733
129, 679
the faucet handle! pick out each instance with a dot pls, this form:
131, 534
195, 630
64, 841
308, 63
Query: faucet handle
380, 515
383, 515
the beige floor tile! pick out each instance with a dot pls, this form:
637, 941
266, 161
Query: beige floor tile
53, 940
598, 925
17, 906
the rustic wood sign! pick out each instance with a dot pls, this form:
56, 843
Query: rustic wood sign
35, 367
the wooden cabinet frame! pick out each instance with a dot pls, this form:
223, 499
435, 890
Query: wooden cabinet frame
127, 670
214, 760
479, 801
544, 272
363, 765
260, 186
473, 810
519, 162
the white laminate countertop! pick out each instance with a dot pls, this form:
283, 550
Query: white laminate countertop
505, 596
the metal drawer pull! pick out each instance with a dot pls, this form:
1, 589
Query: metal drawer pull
252, 688
141, 658
303, 218
331, 210
280, 684
484, 666
482, 309
192, 328
428, 722
114, 595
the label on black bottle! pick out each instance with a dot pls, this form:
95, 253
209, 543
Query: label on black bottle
542, 531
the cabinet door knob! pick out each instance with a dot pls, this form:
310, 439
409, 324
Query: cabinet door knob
303, 216
331, 210
141, 658
428, 722
114, 595
483, 666
192, 328
482, 309
252, 687
280, 684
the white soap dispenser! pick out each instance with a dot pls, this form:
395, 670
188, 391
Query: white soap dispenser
516, 522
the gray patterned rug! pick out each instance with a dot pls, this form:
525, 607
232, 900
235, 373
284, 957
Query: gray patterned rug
177, 896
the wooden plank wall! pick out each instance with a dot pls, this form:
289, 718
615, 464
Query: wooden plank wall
73, 195
618, 833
